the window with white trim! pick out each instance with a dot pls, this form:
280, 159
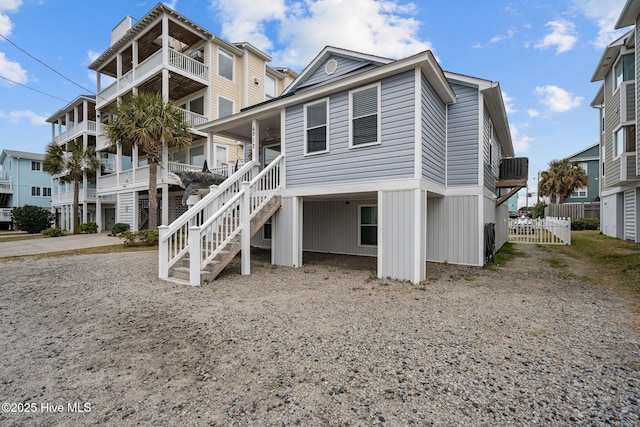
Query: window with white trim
581, 192
225, 107
364, 125
36, 166
270, 86
46, 191
368, 225
624, 140
316, 123
35, 191
225, 65
624, 70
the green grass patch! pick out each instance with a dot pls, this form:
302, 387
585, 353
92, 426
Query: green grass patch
505, 254
617, 262
18, 237
85, 251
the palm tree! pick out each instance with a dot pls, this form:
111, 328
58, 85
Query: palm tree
74, 161
562, 178
150, 122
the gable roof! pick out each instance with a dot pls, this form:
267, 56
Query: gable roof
21, 155
629, 13
363, 61
610, 55
580, 154
79, 99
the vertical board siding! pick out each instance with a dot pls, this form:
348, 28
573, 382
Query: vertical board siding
398, 234
462, 139
126, 209
346, 66
332, 226
282, 232
393, 158
630, 215
433, 135
452, 230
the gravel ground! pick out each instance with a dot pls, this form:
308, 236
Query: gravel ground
101, 341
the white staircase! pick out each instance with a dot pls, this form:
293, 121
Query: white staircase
197, 246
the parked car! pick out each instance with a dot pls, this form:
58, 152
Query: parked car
513, 214
524, 225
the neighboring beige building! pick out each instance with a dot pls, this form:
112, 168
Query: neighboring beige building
206, 76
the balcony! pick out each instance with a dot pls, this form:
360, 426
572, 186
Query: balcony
66, 197
513, 174
74, 130
5, 214
179, 65
6, 186
138, 178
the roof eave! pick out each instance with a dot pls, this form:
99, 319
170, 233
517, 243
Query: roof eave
495, 105
629, 13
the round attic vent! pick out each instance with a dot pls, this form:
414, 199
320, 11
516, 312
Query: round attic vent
331, 66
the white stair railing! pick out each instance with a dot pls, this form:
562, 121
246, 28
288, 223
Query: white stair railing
209, 239
174, 239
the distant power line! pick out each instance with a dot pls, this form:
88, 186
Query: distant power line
45, 64
35, 90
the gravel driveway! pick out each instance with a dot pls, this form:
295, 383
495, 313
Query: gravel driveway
99, 340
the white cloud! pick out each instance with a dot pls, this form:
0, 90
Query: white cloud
521, 143
605, 15
12, 71
30, 116
563, 36
92, 55
381, 27
171, 4
532, 112
510, 33
557, 99
508, 103
6, 26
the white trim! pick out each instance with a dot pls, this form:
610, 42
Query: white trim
233, 105
381, 243
613, 146
304, 113
214, 157
417, 236
417, 140
378, 86
233, 64
480, 138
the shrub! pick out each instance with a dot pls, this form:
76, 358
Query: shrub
87, 228
585, 224
141, 238
32, 219
53, 232
118, 228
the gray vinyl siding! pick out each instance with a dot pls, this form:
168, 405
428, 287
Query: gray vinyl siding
452, 230
491, 165
637, 97
462, 140
398, 233
433, 135
332, 226
391, 159
611, 123
346, 67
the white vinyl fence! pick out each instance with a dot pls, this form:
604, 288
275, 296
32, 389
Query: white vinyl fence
544, 231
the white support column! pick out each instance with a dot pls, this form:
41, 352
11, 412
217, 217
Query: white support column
136, 211
245, 251
296, 252
381, 243
134, 159
255, 140
419, 243
163, 252
99, 214
118, 162
195, 255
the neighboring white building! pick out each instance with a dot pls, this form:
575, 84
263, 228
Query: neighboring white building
77, 120
619, 159
206, 76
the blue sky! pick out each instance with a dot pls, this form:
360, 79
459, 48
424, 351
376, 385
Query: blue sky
543, 53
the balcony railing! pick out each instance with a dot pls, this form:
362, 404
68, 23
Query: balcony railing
73, 130
193, 119
628, 167
66, 196
149, 66
5, 214
6, 187
139, 176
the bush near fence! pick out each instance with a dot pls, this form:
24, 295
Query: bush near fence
585, 224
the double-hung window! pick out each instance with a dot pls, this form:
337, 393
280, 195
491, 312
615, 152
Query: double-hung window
35, 166
35, 191
624, 140
316, 118
225, 65
225, 107
364, 125
368, 224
